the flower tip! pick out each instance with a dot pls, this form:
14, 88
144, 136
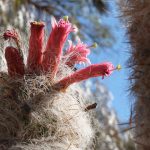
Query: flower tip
8, 34
95, 45
118, 67
65, 18
37, 23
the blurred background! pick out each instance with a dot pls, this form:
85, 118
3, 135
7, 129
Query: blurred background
98, 21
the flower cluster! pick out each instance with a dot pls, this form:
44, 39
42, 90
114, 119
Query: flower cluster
43, 60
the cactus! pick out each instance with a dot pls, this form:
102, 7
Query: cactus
40, 106
136, 14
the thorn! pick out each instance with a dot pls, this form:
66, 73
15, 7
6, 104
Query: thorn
92, 106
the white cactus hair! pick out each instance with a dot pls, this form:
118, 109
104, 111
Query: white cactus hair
33, 116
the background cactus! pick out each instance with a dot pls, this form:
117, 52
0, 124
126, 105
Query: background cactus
136, 15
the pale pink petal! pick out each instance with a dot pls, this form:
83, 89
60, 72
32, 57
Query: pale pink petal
77, 54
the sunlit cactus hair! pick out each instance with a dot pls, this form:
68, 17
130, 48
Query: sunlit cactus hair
136, 15
40, 107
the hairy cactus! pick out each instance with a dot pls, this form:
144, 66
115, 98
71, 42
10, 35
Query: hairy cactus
137, 15
39, 106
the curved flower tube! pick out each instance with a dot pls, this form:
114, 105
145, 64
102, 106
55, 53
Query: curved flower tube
103, 69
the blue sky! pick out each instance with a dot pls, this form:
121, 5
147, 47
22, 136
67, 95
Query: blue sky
118, 82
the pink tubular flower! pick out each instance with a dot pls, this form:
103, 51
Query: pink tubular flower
35, 47
53, 51
103, 69
11, 34
14, 62
77, 54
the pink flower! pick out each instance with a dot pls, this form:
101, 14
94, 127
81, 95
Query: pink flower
56, 40
35, 47
14, 62
103, 69
11, 34
77, 53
